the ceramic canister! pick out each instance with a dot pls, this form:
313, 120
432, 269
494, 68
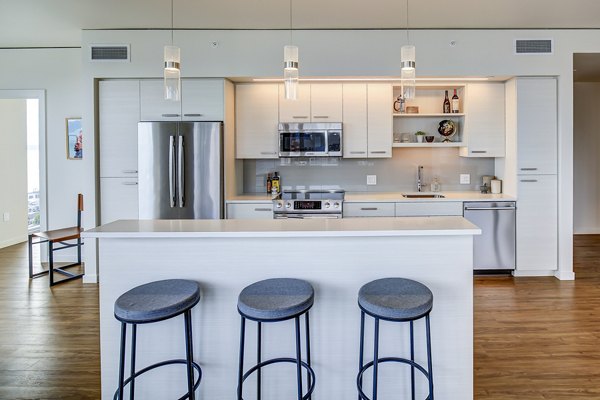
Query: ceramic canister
496, 186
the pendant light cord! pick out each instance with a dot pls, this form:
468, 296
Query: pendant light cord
291, 23
407, 30
171, 22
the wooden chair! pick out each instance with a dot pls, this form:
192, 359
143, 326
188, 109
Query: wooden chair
60, 236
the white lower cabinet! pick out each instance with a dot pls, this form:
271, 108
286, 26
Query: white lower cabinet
422, 209
537, 226
249, 210
374, 209
118, 199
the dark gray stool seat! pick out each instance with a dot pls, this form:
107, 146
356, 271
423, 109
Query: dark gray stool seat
156, 301
395, 299
276, 299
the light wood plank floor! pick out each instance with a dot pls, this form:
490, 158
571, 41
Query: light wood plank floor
535, 338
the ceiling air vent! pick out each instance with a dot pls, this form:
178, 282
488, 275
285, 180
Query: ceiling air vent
533, 46
109, 52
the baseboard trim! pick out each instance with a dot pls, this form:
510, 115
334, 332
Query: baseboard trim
12, 241
565, 275
90, 278
587, 231
534, 273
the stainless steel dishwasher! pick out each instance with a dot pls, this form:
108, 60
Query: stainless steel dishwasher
494, 249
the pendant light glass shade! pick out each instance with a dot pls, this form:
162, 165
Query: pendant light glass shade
172, 75
407, 71
290, 72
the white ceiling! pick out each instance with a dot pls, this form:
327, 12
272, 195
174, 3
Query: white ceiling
31, 23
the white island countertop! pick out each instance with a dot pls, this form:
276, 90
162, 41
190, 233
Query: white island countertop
407, 226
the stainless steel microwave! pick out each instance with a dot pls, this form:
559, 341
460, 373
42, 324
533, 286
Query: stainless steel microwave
301, 139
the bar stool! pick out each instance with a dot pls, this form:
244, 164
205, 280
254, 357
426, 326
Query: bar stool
153, 302
396, 300
275, 300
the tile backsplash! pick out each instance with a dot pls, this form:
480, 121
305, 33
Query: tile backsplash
393, 174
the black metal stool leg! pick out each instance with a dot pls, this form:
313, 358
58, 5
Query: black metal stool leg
122, 359
429, 362
308, 378
30, 250
133, 345
51, 263
258, 359
189, 350
412, 358
241, 366
375, 358
298, 358
362, 348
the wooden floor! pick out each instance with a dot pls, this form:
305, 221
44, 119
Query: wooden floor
535, 338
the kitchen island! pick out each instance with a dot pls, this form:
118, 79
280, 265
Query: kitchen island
336, 256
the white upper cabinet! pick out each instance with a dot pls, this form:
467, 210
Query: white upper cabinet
154, 107
326, 102
295, 110
202, 99
536, 126
484, 131
256, 120
379, 120
355, 120
119, 113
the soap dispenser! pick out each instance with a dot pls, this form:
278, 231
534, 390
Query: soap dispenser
435, 185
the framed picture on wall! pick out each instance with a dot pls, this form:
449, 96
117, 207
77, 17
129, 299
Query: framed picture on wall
74, 139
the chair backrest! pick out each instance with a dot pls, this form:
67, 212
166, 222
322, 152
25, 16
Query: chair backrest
79, 209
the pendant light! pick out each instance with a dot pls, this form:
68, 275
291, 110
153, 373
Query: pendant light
172, 73
290, 65
407, 65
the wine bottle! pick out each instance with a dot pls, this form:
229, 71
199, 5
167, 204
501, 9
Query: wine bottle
269, 183
446, 104
455, 103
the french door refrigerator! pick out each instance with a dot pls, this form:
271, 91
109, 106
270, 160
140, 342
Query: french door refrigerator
180, 170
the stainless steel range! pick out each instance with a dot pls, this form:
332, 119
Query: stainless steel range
303, 204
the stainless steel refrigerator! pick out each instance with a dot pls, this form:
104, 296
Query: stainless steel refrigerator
180, 170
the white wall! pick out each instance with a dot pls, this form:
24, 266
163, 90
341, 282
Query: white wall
58, 72
586, 165
13, 171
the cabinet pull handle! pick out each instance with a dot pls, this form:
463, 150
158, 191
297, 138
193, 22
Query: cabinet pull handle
300, 116
262, 209
529, 180
478, 151
193, 115
368, 208
357, 152
320, 116
268, 152
378, 152
528, 169
170, 115
129, 183
130, 171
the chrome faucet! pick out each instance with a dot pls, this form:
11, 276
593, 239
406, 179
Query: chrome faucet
419, 185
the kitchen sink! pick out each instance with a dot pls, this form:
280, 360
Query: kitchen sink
423, 196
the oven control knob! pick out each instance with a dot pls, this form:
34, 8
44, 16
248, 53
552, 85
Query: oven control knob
279, 205
336, 204
327, 204
288, 205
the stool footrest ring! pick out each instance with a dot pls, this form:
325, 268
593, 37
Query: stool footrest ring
162, 364
287, 360
383, 360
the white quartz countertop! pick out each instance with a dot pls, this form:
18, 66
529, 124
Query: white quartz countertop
365, 227
386, 197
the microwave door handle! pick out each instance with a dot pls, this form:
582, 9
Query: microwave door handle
181, 172
171, 171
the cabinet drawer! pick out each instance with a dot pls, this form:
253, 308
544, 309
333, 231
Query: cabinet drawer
249, 210
368, 210
423, 209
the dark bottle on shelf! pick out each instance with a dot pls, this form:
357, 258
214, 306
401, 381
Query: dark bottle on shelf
275, 183
455, 103
446, 104
269, 183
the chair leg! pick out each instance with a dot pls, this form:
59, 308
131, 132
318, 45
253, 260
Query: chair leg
412, 358
361, 348
375, 358
122, 360
429, 361
258, 360
189, 354
308, 377
79, 251
30, 250
241, 362
51, 263
133, 346
298, 358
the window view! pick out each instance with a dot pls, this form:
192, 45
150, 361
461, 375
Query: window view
33, 165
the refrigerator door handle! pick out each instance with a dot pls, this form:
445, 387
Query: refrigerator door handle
171, 171
180, 172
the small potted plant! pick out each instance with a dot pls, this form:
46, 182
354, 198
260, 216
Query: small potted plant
420, 135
